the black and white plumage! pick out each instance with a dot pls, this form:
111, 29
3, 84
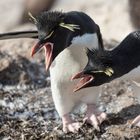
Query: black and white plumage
54, 32
65, 37
122, 62
70, 45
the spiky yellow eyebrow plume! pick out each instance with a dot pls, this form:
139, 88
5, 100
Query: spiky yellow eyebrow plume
109, 72
32, 17
71, 27
49, 35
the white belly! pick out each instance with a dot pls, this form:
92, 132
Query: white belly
68, 63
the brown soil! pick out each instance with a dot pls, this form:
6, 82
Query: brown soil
27, 111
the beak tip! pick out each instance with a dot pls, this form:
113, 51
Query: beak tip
72, 78
47, 68
31, 54
74, 91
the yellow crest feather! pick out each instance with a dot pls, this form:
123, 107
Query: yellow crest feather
32, 17
71, 27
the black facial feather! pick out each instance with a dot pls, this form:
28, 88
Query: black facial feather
48, 21
98, 59
46, 17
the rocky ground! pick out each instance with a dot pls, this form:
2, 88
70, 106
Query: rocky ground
26, 108
27, 111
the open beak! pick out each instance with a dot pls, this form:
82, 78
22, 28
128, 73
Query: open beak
48, 52
84, 81
36, 48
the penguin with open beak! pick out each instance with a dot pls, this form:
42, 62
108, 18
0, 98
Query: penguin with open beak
56, 30
104, 66
65, 37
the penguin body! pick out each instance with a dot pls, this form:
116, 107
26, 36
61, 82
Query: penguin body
122, 62
69, 56
123, 59
67, 63
65, 37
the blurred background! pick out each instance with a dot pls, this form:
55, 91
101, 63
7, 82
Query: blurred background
27, 111
116, 19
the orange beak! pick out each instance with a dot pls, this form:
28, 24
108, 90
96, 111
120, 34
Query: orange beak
48, 52
84, 81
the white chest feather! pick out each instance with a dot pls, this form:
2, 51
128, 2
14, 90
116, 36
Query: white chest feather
69, 62
73, 58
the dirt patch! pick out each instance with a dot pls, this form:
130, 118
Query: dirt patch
27, 111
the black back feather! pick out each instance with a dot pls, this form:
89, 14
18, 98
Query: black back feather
100, 40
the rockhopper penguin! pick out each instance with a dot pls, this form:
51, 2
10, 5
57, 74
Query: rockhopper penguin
68, 34
104, 66
64, 36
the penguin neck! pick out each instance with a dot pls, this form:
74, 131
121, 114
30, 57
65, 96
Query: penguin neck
73, 58
124, 62
125, 57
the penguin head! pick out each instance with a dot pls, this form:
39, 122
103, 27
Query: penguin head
98, 66
56, 31
48, 25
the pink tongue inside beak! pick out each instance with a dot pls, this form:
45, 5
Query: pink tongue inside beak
48, 52
84, 81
